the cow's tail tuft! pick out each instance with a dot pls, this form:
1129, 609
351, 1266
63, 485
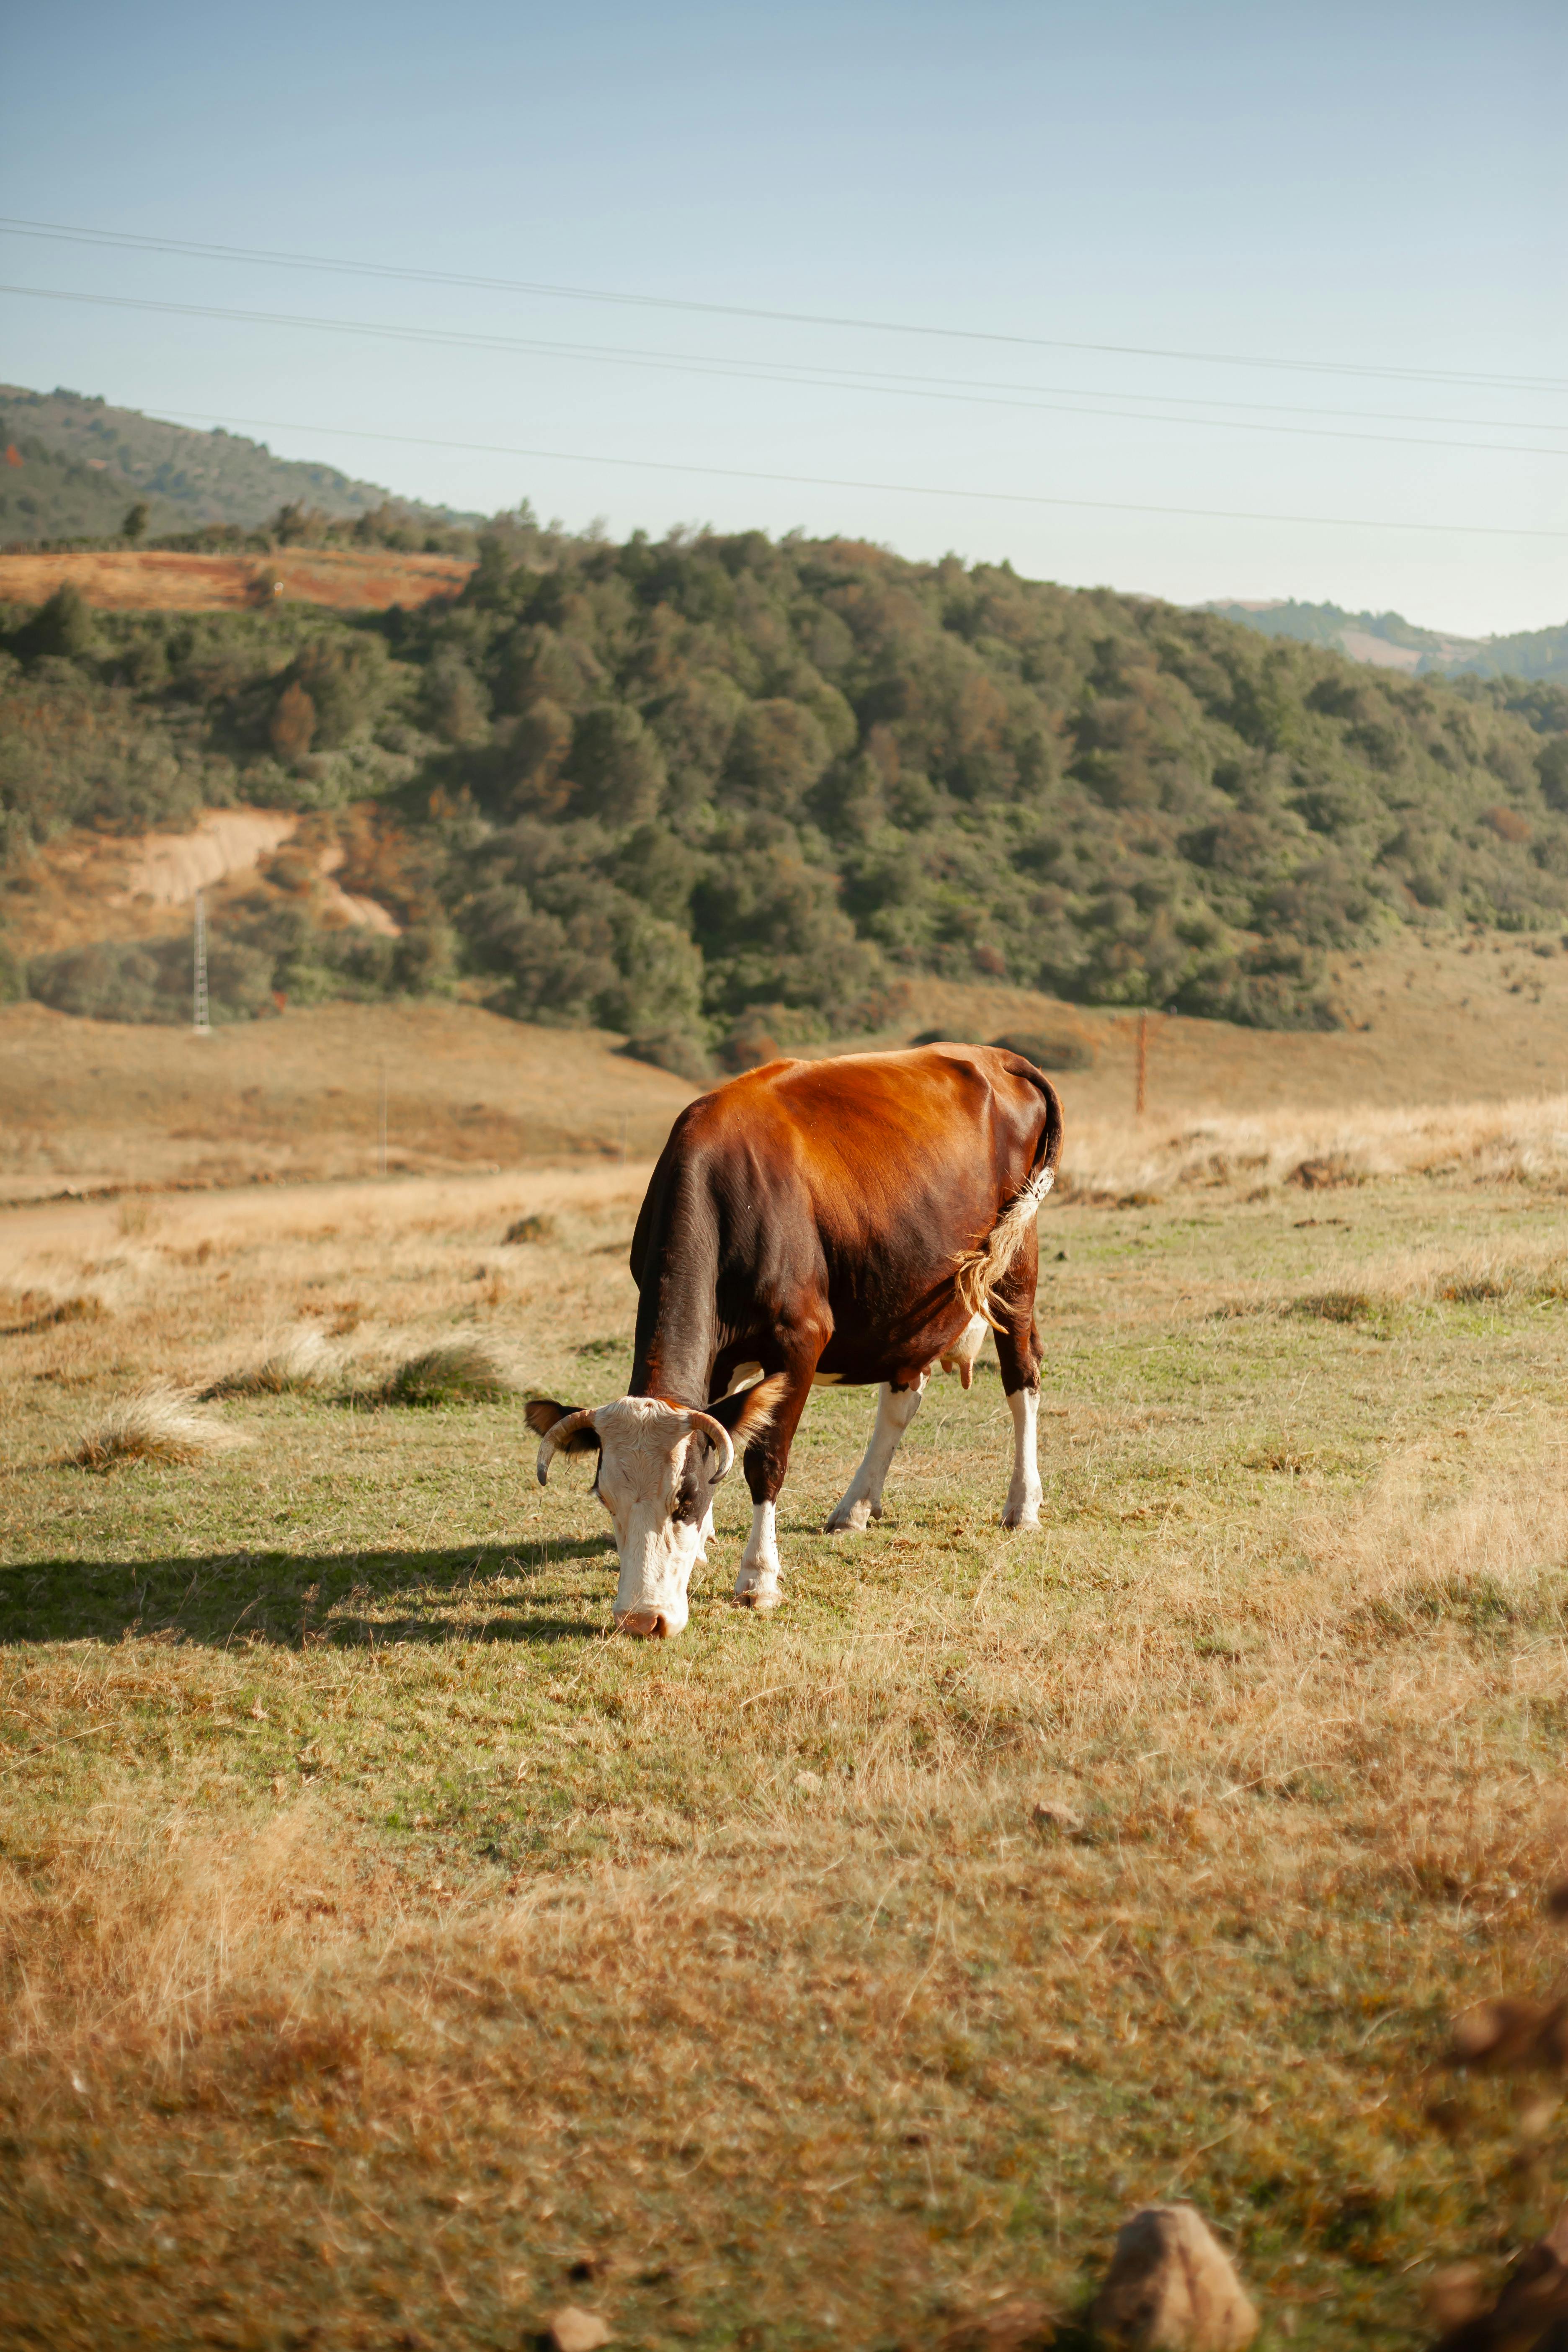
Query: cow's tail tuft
976, 1271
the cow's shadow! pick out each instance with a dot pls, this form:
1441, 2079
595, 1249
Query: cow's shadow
301, 1600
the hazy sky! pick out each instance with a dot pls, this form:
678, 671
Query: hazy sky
1380, 194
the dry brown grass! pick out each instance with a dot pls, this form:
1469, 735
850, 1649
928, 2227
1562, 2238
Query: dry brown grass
301, 1361
345, 1859
1531, 1274
161, 580
458, 1372
1451, 1024
162, 1425
152, 1927
1524, 1141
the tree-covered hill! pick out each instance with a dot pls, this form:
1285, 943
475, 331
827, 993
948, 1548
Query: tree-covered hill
676, 787
1387, 638
79, 465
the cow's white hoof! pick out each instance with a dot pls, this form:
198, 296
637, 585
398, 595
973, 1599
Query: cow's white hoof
852, 1518
1021, 1514
760, 1597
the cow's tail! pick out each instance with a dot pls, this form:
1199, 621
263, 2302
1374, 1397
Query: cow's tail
978, 1271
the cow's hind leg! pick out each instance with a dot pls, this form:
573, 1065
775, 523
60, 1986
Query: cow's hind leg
862, 1498
1018, 1354
1023, 1490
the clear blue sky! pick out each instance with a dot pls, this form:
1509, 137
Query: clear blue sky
1380, 189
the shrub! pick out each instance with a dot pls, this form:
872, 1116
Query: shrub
1050, 1053
679, 1051
616, 767
61, 626
748, 1045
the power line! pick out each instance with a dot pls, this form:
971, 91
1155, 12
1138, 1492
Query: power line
1169, 399
124, 240
746, 371
901, 490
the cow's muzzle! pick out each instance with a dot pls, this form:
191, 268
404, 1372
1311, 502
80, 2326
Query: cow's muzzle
644, 1624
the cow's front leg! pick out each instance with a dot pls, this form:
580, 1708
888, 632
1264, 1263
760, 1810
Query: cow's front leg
757, 1578
766, 1461
861, 1500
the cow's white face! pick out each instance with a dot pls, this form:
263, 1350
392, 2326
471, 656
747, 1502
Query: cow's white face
656, 1478
659, 1465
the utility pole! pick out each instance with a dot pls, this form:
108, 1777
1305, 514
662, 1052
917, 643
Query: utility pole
201, 1019
1142, 1061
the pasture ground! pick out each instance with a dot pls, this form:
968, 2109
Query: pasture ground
391, 1957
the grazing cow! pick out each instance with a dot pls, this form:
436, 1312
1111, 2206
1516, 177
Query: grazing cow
861, 1220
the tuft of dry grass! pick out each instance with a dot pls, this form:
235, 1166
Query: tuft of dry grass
159, 1425
1335, 1306
470, 1371
303, 1361
540, 1227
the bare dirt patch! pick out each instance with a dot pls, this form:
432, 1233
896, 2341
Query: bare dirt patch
153, 580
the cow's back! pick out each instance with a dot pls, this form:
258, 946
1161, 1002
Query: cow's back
870, 1170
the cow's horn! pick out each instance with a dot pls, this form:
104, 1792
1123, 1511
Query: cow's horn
570, 1425
721, 1437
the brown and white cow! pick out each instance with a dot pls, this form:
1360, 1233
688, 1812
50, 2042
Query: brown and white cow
859, 1220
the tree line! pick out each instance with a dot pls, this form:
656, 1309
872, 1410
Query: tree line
676, 787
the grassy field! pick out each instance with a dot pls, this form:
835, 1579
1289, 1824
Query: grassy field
391, 1957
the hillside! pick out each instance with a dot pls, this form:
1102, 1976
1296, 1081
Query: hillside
90, 1104
1388, 641
720, 791
79, 464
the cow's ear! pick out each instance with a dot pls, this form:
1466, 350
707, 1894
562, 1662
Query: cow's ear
751, 1411
542, 1414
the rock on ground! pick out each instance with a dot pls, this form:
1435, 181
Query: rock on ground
1171, 2287
572, 2330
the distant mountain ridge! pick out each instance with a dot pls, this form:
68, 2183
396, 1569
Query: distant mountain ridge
1388, 641
71, 466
